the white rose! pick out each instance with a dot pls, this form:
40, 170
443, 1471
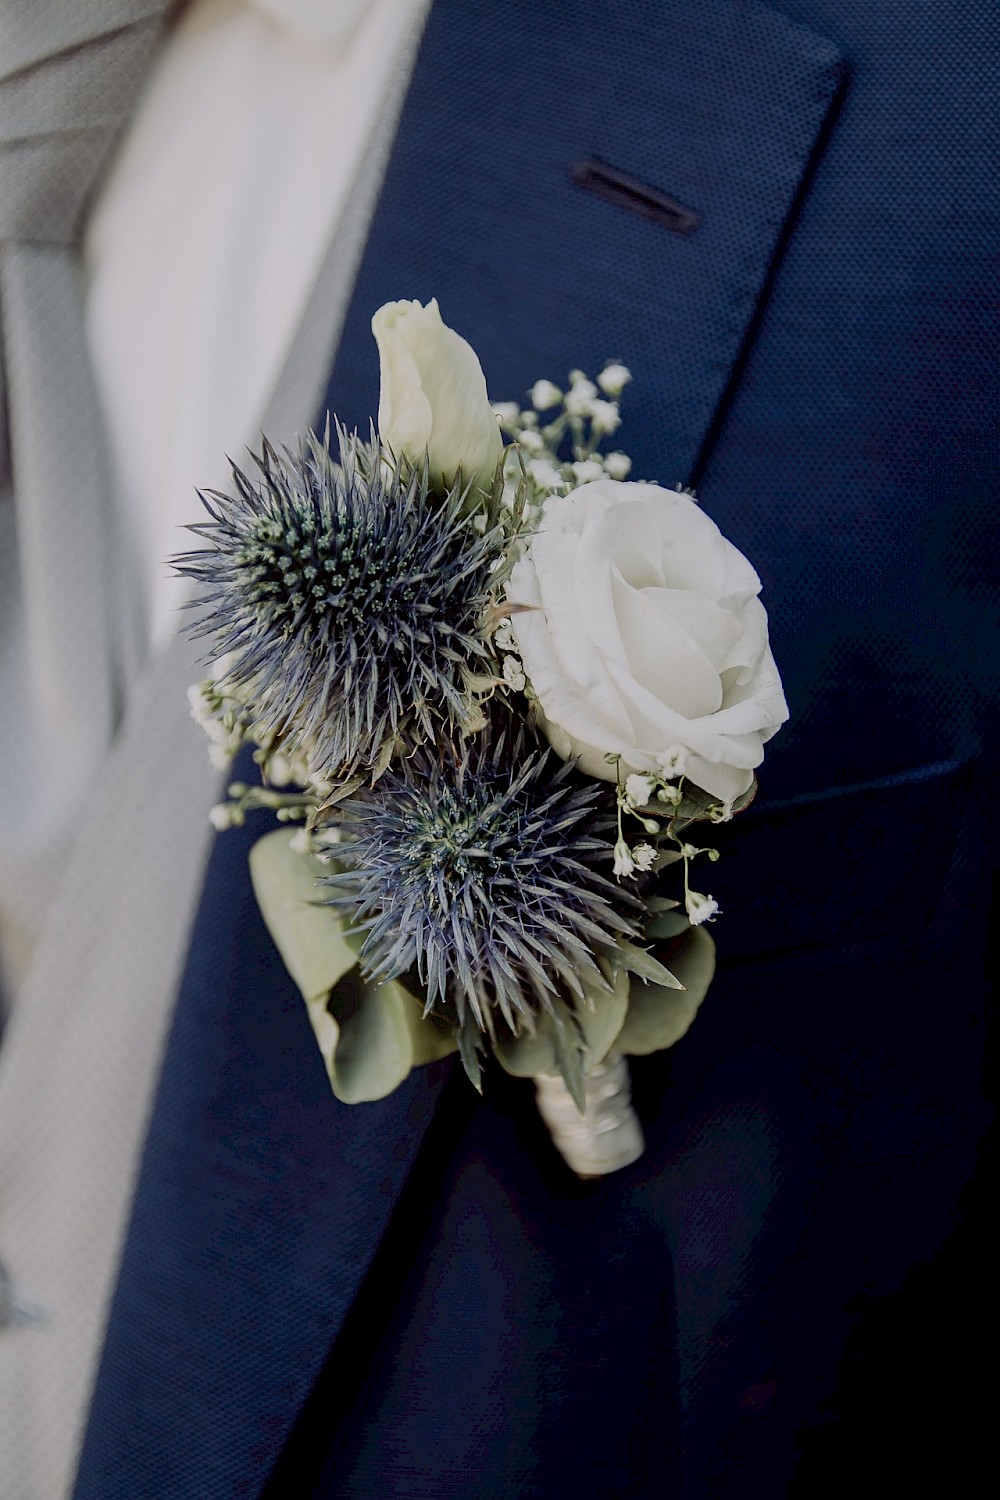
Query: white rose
433, 395
645, 636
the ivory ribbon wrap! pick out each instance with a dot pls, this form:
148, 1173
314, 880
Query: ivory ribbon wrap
607, 1136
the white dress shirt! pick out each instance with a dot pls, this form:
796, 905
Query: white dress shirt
207, 239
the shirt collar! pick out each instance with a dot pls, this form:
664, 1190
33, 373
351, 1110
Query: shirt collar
331, 23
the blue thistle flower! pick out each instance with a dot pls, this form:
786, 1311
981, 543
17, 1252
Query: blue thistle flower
477, 869
352, 603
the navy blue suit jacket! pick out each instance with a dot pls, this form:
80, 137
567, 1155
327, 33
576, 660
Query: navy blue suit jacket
413, 1297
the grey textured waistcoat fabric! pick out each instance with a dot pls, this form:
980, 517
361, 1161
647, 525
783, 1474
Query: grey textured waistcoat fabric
69, 77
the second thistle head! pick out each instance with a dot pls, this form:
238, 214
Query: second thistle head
479, 867
350, 601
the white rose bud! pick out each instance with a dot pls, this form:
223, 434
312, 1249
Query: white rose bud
433, 396
643, 636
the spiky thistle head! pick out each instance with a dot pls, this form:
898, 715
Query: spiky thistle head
480, 869
349, 600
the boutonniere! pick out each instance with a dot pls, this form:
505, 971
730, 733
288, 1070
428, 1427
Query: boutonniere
495, 690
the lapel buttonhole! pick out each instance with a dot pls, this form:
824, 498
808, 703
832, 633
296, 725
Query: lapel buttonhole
608, 182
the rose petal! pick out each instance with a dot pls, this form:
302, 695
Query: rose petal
662, 656
648, 633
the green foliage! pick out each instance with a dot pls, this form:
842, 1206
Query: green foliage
659, 1017
596, 1023
370, 1036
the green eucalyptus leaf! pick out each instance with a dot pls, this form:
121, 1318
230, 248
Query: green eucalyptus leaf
524, 1056
569, 1049
307, 933
667, 924
658, 1017
598, 1020
468, 1046
646, 967
370, 1036
600, 1026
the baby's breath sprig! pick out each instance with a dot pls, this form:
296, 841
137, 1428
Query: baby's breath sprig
586, 413
288, 807
665, 793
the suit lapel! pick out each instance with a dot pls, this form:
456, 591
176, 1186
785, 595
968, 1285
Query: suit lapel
718, 106
261, 1199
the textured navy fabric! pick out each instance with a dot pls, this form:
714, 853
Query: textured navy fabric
816, 355
261, 1203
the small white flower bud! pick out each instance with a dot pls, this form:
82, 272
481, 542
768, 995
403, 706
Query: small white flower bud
545, 474
580, 399
604, 416
220, 816
513, 673
507, 413
300, 842
644, 856
279, 770
503, 636
587, 469
624, 863
671, 794
617, 465
674, 760
545, 395
613, 379
722, 812
638, 790
700, 908
219, 757
531, 440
